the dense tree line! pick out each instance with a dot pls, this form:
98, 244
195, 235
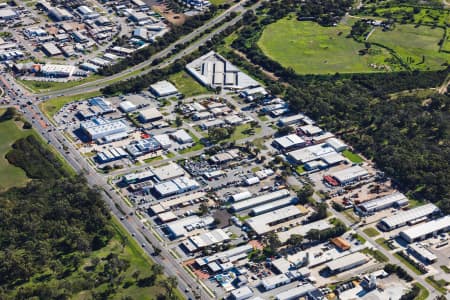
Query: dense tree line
36, 160
49, 224
406, 137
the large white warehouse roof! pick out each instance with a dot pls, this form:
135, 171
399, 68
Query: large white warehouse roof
417, 232
404, 217
260, 200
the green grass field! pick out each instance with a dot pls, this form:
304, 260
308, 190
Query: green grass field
52, 106
187, 85
44, 86
10, 175
309, 48
243, 131
414, 43
353, 157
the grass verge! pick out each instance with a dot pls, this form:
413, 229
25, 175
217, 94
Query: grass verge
439, 285
372, 232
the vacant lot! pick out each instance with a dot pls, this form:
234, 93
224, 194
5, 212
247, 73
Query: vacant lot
187, 85
417, 46
309, 48
52, 106
10, 175
46, 86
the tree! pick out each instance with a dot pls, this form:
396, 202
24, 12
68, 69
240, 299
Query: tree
295, 240
284, 130
136, 274
178, 121
157, 269
27, 125
304, 193
156, 251
170, 284
218, 134
203, 209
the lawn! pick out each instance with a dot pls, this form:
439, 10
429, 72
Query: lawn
243, 131
372, 232
359, 238
423, 295
378, 255
408, 264
384, 243
309, 48
300, 169
10, 175
413, 44
353, 157
445, 269
36, 86
439, 285
151, 159
187, 85
52, 106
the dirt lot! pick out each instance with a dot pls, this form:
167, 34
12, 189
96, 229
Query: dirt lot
173, 18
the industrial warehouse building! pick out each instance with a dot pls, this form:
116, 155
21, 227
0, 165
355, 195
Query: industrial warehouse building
98, 128
409, 217
7, 14
150, 114
206, 239
262, 199
181, 136
310, 153
296, 293
426, 230
422, 253
350, 175
272, 282
241, 196
266, 223
213, 70
289, 142
175, 186
336, 144
291, 120
163, 89
127, 106
369, 207
184, 200
51, 70
230, 255
182, 227
262, 209
50, 49
142, 147
347, 262
241, 293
